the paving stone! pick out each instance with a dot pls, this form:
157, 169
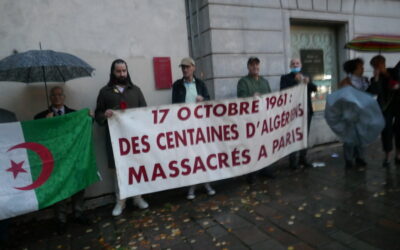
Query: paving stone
335, 246
180, 246
266, 211
268, 244
206, 223
201, 242
232, 221
39, 245
86, 242
230, 242
343, 237
191, 229
217, 231
310, 235
380, 238
391, 225
302, 246
276, 233
59, 242
362, 245
250, 235
252, 217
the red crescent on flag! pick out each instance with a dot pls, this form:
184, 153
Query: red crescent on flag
47, 163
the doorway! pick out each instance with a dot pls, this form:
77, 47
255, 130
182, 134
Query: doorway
317, 45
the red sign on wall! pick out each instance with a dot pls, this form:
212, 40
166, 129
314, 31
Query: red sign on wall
162, 72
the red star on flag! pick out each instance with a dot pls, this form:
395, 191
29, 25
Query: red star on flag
16, 168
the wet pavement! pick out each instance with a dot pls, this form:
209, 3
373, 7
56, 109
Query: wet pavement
314, 208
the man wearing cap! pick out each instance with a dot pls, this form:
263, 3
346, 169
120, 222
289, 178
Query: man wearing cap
289, 80
190, 89
254, 85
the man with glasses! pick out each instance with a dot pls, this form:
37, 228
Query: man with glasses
57, 108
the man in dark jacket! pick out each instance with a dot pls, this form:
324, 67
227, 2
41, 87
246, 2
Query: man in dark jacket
57, 108
289, 80
383, 84
189, 88
119, 93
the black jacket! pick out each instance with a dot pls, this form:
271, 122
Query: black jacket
288, 81
44, 113
7, 116
179, 90
388, 98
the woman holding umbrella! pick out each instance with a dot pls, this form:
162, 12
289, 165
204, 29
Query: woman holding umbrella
385, 84
354, 69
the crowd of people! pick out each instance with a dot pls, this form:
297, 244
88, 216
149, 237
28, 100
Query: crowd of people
384, 85
190, 89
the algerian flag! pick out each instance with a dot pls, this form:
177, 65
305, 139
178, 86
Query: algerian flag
44, 161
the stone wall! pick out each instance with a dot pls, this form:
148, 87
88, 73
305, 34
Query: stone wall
238, 29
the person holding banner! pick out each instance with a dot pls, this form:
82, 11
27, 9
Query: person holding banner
119, 93
289, 80
57, 108
190, 89
254, 85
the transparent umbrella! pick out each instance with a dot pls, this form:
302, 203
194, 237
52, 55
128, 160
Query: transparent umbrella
354, 116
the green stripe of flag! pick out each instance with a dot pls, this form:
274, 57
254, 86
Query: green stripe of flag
69, 139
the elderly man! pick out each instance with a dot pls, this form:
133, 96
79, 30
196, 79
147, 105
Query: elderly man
57, 108
289, 80
119, 93
253, 85
190, 89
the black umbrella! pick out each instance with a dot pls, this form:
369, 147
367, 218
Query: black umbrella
42, 66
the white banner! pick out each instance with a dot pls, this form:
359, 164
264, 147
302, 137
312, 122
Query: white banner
171, 146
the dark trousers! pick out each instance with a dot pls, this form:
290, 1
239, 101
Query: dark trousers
61, 208
351, 151
392, 129
4, 230
302, 153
